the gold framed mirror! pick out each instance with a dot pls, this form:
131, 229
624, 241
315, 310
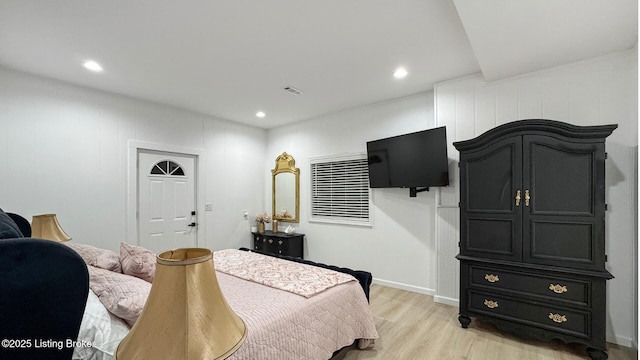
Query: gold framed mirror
285, 189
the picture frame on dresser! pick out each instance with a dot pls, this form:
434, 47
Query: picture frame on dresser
532, 231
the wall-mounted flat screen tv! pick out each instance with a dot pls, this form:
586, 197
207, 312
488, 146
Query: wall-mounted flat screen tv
412, 160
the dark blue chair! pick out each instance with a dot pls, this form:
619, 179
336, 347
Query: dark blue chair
43, 293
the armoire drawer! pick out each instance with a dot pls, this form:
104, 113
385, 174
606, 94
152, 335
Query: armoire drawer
560, 319
548, 286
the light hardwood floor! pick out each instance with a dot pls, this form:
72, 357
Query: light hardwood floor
412, 327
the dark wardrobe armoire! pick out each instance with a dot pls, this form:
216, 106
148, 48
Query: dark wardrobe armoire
532, 231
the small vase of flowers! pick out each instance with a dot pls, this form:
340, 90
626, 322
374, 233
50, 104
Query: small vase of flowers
284, 214
262, 219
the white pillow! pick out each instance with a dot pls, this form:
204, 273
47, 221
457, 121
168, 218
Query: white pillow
100, 328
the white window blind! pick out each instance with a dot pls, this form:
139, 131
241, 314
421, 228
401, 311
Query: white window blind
340, 190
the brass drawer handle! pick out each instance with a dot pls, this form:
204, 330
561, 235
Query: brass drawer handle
270, 241
490, 304
557, 288
527, 197
280, 242
558, 318
491, 278
518, 198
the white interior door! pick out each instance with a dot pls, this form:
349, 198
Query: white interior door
166, 200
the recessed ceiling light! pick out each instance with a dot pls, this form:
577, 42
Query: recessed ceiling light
260, 114
92, 66
400, 73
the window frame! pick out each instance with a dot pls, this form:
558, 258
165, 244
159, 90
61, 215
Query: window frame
339, 220
168, 172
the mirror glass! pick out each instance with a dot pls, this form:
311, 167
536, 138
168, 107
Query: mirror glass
285, 193
286, 189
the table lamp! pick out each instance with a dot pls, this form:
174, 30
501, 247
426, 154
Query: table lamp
46, 226
186, 316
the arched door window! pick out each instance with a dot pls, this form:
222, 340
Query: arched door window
167, 168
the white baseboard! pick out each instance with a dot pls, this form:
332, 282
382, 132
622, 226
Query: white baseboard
418, 289
446, 300
402, 286
622, 341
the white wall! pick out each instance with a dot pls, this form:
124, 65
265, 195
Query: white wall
399, 249
598, 91
63, 149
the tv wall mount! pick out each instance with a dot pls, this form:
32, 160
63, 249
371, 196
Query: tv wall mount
413, 191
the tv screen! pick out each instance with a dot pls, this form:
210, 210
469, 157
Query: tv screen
412, 160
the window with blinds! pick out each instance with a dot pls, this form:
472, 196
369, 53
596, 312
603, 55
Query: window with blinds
340, 190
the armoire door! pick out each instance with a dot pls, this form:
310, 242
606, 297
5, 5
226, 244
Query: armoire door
490, 179
563, 214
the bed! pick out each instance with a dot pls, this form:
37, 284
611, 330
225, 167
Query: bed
281, 324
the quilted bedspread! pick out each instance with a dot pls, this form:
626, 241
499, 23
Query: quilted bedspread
302, 279
285, 326
281, 325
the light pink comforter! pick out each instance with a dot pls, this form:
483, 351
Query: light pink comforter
302, 279
281, 325
285, 326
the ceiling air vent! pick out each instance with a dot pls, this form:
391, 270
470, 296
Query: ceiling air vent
294, 91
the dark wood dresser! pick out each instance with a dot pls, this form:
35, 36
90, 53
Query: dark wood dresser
532, 231
279, 243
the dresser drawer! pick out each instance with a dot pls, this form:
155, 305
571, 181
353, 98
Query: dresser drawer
547, 286
560, 319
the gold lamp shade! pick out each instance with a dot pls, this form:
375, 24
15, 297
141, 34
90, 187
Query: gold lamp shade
186, 316
46, 226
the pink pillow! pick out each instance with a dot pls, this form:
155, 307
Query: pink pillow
124, 296
100, 258
137, 261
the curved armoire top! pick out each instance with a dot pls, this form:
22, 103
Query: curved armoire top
537, 126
